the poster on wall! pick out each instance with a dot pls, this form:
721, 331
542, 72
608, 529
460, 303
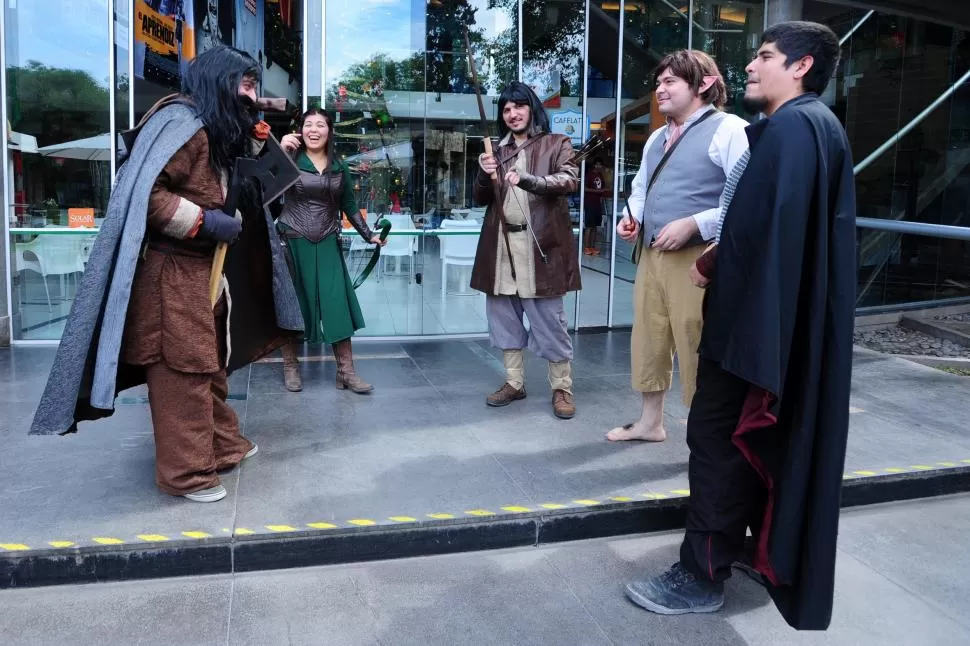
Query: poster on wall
250, 15
164, 40
569, 123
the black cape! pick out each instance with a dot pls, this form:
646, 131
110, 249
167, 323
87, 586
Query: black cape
87, 373
780, 315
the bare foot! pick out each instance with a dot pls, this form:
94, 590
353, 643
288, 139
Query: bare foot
634, 432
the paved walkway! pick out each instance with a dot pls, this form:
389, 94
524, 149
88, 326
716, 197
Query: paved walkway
422, 449
900, 579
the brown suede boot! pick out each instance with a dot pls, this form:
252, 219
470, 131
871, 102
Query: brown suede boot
291, 369
563, 404
346, 376
505, 395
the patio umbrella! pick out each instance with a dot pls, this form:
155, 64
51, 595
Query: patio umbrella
96, 148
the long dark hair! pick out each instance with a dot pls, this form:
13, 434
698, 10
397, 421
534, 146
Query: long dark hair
328, 148
212, 83
521, 94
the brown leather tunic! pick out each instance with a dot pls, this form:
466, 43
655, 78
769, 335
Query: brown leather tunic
312, 207
549, 161
170, 317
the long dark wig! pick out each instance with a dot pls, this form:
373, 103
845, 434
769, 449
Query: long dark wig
521, 94
212, 83
329, 147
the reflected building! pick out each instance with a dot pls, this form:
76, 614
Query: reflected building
395, 74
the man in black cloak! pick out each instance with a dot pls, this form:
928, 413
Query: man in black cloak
767, 431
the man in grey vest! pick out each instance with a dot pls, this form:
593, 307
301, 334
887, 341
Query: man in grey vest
674, 207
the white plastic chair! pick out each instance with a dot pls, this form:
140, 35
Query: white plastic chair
400, 246
53, 255
458, 249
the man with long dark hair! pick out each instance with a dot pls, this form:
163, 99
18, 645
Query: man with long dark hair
526, 259
768, 428
143, 311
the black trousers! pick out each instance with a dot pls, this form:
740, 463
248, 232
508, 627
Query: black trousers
726, 494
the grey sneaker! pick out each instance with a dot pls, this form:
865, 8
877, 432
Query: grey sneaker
251, 452
677, 592
212, 494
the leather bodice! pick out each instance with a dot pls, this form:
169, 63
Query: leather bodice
312, 206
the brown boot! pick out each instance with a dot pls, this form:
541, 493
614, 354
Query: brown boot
291, 369
563, 405
505, 395
346, 376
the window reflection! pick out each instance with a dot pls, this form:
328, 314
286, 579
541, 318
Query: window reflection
893, 68
406, 119
58, 153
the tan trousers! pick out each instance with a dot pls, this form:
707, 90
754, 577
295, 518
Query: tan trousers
196, 431
667, 317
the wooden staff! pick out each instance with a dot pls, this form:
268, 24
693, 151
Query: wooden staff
487, 140
215, 278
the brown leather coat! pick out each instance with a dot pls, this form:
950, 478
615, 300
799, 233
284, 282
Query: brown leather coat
553, 177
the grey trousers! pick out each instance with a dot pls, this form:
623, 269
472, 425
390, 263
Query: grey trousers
546, 337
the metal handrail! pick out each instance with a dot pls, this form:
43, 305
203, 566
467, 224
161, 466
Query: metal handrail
915, 228
855, 27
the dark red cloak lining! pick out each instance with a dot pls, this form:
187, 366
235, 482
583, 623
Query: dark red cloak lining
756, 415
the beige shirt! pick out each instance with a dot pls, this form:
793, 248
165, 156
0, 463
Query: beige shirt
516, 208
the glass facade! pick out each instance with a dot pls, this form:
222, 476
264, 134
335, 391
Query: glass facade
893, 68
395, 75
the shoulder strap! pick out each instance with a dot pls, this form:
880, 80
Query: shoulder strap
656, 173
673, 147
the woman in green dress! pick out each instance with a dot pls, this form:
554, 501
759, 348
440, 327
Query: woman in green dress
310, 221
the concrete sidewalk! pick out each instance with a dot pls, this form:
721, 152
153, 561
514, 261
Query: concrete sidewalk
900, 579
421, 466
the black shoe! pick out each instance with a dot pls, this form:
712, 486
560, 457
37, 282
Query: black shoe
677, 592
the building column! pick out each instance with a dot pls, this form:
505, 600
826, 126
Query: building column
782, 10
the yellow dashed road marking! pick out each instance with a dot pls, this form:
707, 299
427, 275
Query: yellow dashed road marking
14, 547
479, 512
364, 522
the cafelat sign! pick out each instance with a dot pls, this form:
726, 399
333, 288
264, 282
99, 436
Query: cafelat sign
569, 123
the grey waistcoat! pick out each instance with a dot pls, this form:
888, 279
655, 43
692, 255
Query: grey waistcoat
688, 184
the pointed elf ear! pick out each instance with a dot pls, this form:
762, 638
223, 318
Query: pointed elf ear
706, 84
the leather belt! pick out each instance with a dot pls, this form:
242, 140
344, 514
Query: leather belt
169, 248
515, 228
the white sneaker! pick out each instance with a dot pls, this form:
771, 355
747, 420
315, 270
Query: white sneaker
212, 494
251, 452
